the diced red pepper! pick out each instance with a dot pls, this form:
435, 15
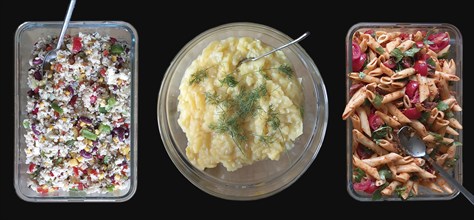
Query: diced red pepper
103, 71
42, 190
51, 173
76, 44
76, 171
31, 168
80, 186
106, 52
93, 99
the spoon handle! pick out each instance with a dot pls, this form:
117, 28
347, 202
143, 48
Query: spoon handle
283, 46
451, 180
65, 24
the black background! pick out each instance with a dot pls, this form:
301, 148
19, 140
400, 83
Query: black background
163, 31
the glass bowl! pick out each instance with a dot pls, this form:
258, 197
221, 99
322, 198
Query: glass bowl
26, 35
263, 178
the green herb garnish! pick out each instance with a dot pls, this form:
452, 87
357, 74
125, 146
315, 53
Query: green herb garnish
412, 51
381, 132
88, 134
56, 108
106, 159
361, 75
103, 128
397, 53
424, 117
229, 80
451, 162
377, 195
444, 56
110, 188
378, 100
436, 136
400, 190
442, 106
449, 114
359, 174
116, 49
385, 174
198, 76
380, 50
102, 110
273, 119
26, 123
431, 62
286, 70
70, 142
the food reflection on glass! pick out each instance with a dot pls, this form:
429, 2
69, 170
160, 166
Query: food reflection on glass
398, 79
78, 115
239, 114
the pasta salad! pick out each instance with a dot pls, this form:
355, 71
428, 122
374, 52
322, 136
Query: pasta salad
398, 79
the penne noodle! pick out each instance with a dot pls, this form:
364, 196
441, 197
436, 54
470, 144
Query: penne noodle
381, 160
364, 77
443, 89
357, 100
405, 45
372, 64
448, 77
419, 128
387, 145
423, 88
406, 101
364, 121
409, 187
449, 67
431, 185
399, 84
366, 168
439, 126
433, 115
355, 122
441, 159
451, 151
413, 168
402, 177
455, 123
386, 70
397, 113
387, 88
403, 73
376, 72
393, 44
418, 36
372, 55
433, 55
363, 45
393, 96
390, 188
451, 131
361, 138
375, 46
388, 120
430, 138
415, 188
386, 80
419, 161
404, 160
433, 89
442, 183
456, 108
444, 51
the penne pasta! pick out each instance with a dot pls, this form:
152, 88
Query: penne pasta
448, 77
409, 186
357, 100
388, 120
381, 160
431, 185
397, 113
393, 44
449, 67
364, 121
393, 96
364, 77
386, 70
423, 88
442, 183
419, 128
356, 122
406, 45
454, 123
432, 139
451, 131
376, 72
403, 74
372, 64
362, 139
387, 145
366, 168
390, 188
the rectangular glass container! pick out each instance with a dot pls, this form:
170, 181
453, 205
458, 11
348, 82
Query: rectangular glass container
455, 52
25, 37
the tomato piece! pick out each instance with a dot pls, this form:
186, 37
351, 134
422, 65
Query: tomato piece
80, 186
76, 171
355, 51
106, 52
411, 88
412, 113
103, 71
358, 64
364, 152
42, 190
375, 121
390, 63
421, 67
32, 167
440, 41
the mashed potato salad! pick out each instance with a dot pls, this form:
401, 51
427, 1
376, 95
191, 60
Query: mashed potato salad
238, 113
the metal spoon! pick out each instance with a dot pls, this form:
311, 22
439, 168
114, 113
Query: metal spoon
248, 59
415, 147
52, 54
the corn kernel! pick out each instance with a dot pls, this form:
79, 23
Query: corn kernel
100, 80
67, 93
101, 176
80, 159
117, 177
128, 156
41, 104
114, 58
73, 162
116, 140
87, 149
64, 119
88, 52
125, 150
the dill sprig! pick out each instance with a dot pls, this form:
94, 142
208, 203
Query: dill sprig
198, 76
266, 139
284, 68
273, 119
247, 101
264, 75
229, 80
212, 98
232, 127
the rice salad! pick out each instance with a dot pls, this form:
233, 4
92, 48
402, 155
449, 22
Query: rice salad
78, 115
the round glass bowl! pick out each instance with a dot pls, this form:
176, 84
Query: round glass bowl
263, 178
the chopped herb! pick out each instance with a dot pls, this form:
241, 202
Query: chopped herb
444, 56
266, 139
232, 127
43, 154
111, 101
377, 195
359, 174
451, 162
367, 102
70, 142
212, 98
247, 101
26, 123
400, 190
361, 75
273, 119
102, 110
364, 67
88, 134
116, 49
434, 152
381, 132
431, 63
229, 80
58, 161
110, 188
449, 114
103, 128
427, 42
286, 70
378, 100
56, 108
74, 190
385, 174
106, 159
397, 53
424, 117
412, 51
198, 76
437, 136
414, 178
457, 144
302, 112
380, 50
442, 106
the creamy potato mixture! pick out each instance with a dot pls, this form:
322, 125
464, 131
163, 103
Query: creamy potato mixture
238, 114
